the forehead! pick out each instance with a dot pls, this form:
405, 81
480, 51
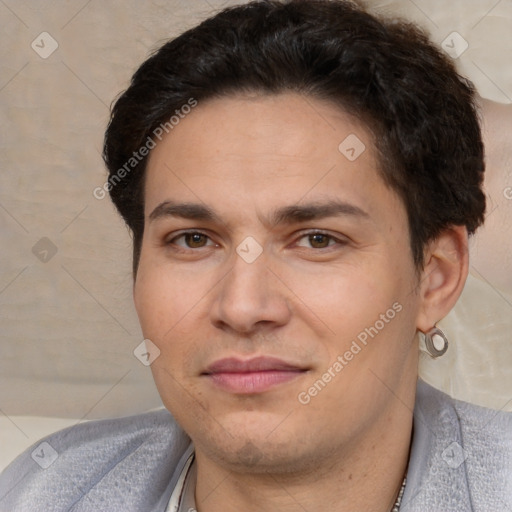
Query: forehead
265, 150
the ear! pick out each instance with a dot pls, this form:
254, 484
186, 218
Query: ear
443, 277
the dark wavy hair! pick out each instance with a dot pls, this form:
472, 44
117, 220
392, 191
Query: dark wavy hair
385, 72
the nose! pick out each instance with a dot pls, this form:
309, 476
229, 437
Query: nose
250, 297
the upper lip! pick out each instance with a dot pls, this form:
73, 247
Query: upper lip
256, 364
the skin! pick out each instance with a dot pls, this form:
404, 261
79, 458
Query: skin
303, 300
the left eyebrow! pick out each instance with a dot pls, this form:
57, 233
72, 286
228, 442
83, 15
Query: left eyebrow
314, 211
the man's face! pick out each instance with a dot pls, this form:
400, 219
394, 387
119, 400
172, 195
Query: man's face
285, 317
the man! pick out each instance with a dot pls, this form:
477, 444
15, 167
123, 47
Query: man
300, 179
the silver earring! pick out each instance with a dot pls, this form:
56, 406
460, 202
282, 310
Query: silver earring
436, 342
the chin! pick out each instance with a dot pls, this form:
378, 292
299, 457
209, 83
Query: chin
254, 443
256, 456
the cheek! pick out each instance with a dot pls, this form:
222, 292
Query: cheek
161, 310
366, 310
345, 297
163, 319
171, 306
163, 295
150, 294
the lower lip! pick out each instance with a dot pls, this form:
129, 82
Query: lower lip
252, 382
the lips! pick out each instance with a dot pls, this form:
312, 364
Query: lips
257, 364
251, 376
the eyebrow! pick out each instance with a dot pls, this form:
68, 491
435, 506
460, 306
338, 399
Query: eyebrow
193, 211
285, 215
313, 211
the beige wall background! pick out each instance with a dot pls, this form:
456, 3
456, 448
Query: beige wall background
68, 328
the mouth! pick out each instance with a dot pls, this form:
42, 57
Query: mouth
252, 376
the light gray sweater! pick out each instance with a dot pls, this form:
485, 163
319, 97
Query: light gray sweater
461, 460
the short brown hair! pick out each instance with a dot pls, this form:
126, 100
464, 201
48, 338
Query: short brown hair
386, 72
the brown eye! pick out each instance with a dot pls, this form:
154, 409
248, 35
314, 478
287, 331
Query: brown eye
191, 240
195, 240
319, 240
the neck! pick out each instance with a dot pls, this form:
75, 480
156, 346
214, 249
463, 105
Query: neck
365, 475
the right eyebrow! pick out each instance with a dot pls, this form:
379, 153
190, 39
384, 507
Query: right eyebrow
192, 211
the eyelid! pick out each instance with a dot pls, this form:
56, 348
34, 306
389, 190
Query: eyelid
340, 240
170, 239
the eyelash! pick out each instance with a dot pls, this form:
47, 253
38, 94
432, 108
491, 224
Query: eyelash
303, 235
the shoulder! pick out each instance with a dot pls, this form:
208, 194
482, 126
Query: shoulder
124, 463
479, 427
486, 454
461, 455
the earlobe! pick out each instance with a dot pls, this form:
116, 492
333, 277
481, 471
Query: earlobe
443, 277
